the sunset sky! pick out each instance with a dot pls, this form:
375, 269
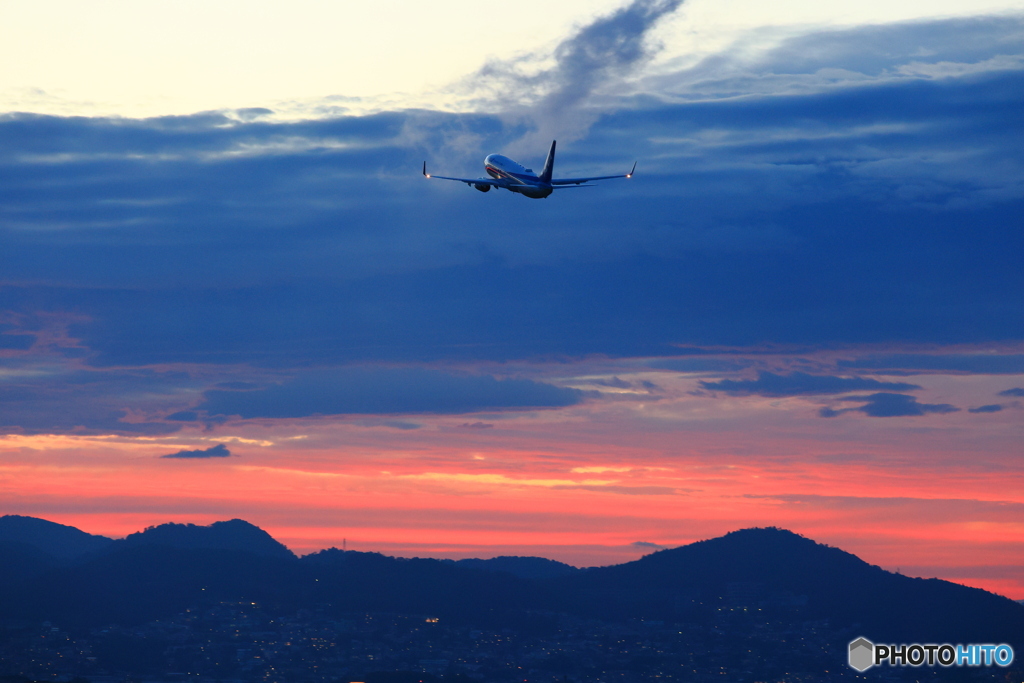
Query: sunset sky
226, 291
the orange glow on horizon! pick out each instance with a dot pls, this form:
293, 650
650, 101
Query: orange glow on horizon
583, 484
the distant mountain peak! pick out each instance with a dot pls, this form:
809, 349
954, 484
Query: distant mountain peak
770, 535
766, 531
233, 534
767, 536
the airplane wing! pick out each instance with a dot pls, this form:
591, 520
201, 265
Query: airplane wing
556, 182
471, 181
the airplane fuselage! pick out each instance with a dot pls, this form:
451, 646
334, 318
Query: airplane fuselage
521, 180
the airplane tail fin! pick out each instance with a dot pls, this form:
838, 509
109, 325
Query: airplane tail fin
549, 165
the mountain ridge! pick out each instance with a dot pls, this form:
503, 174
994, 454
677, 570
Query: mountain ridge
763, 573
57, 540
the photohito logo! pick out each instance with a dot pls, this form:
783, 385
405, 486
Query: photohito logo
864, 654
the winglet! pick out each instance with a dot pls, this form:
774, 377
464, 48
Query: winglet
628, 175
425, 174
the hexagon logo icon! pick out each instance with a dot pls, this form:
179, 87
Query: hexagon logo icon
862, 654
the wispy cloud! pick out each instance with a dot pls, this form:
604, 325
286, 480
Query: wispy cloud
554, 97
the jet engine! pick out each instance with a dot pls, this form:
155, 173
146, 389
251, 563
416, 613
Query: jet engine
483, 188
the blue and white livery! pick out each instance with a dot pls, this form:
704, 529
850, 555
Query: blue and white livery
512, 176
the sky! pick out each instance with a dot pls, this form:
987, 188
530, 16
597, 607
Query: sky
226, 291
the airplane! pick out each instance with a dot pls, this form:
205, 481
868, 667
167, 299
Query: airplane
513, 177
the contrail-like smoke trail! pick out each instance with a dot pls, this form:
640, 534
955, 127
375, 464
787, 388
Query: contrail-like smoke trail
555, 99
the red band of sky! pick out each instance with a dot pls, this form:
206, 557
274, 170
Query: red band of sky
605, 481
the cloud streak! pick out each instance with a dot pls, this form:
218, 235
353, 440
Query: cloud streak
986, 363
801, 384
366, 390
886, 404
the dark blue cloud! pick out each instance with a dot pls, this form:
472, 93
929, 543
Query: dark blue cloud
12, 338
401, 424
803, 213
50, 399
800, 383
991, 408
276, 287
218, 451
983, 363
384, 391
1012, 392
886, 404
476, 425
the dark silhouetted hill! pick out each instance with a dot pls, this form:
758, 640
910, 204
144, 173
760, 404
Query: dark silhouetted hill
779, 572
355, 581
235, 535
523, 567
19, 561
56, 540
151, 574
133, 584
768, 575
